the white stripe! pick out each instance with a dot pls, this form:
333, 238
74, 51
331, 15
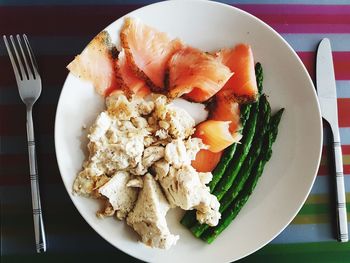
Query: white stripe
309, 42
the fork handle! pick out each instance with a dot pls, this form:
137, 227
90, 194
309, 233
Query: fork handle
40, 239
341, 201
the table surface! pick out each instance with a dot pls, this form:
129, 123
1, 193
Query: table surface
58, 30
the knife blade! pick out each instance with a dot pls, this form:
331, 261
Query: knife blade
327, 96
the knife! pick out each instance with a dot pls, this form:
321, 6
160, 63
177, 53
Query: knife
327, 96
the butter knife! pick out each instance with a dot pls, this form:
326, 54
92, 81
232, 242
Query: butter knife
327, 96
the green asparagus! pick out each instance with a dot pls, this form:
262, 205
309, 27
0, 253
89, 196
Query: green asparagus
244, 173
229, 214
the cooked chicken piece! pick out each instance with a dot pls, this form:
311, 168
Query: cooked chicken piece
181, 123
120, 107
148, 216
87, 185
162, 134
152, 154
161, 169
205, 178
193, 146
175, 153
121, 197
107, 210
184, 189
208, 213
136, 182
139, 122
145, 107
176, 121
100, 127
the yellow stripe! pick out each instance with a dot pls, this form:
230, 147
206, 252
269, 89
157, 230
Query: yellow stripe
346, 159
313, 219
322, 199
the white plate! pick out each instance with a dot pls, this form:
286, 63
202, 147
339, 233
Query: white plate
289, 175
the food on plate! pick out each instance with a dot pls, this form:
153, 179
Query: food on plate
206, 160
234, 208
148, 215
151, 151
241, 61
216, 134
131, 82
147, 51
96, 64
239, 176
226, 109
195, 73
135, 139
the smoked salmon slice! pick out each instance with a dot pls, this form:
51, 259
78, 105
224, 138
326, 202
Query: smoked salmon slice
147, 51
226, 109
197, 74
215, 134
206, 161
132, 83
96, 64
243, 83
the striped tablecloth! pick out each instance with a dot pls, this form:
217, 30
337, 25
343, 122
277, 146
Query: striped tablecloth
58, 30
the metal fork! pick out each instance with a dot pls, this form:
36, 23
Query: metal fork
29, 88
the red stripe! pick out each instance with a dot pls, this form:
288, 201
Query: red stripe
323, 170
341, 63
60, 20
13, 119
344, 112
345, 150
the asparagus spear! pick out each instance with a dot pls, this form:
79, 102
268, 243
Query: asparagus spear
189, 219
244, 173
236, 206
229, 152
241, 153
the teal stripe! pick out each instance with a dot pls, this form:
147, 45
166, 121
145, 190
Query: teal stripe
343, 87
321, 185
305, 233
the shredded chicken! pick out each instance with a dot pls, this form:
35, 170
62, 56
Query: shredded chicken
138, 150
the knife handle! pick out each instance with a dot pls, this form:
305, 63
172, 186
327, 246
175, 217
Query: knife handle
340, 189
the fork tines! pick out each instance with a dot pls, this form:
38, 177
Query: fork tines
26, 70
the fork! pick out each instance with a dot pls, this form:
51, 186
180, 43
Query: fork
29, 88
